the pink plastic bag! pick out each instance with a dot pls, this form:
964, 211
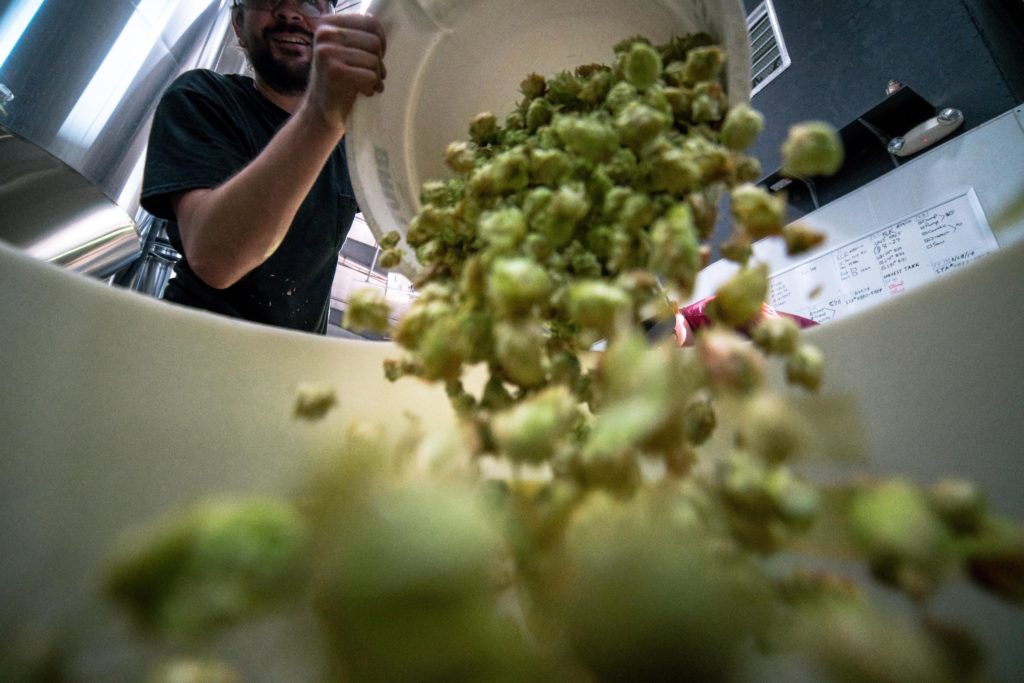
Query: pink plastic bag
693, 317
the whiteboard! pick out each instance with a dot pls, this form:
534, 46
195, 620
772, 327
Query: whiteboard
979, 175
887, 262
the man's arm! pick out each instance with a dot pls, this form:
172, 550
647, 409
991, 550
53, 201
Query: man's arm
229, 230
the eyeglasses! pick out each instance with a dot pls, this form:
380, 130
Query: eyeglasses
314, 9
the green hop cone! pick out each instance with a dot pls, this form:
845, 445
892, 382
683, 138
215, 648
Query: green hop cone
515, 286
566, 369
390, 240
674, 72
483, 128
533, 86
641, 65
429, 252
637, 124
212, 566
855, 640
995, 560
622, 167
675, 251
539, 113
761, 213
583, 263
554, 215
630, 210
570, 204
906, 543
595, 87
609, 460
709, 103
960, 504
519, 352
530, 431
194, 671
743, 481
599, 306
730, 362
797, 503
656, 98
703, 64
745, 169
476, 336
460, 156
564, 88
699, 419
801, 238
741, 127
496, 396
620, 95
425, 226
438, 351
777, 336
503, 229
630, 368
590, 137
805, 367
646, 605
549, 166
413, 326
507, 172
740, 300
770, 428
680, 101
367, 311
672, 170
812, 149
435, 192
712, 160
390, 259
405, 589
737, 248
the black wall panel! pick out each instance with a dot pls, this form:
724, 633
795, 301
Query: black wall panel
954, 53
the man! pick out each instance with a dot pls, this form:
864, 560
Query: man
251, 173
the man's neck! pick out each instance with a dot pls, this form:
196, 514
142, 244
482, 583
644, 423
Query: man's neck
289, 103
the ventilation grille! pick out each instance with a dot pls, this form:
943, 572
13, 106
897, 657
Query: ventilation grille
768, 55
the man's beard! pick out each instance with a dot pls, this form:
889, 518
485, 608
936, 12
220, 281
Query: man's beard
281, 77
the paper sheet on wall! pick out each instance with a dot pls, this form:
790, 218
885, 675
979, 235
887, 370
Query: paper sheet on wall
887, 262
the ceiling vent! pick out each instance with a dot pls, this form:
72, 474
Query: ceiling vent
768, 55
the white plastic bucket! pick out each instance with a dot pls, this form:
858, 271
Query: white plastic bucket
117, 408
449, 60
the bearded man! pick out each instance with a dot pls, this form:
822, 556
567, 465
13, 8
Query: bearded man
251, 172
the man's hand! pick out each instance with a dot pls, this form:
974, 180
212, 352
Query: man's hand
348, 61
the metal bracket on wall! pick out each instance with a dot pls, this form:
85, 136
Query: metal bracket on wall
866, 140
882, 137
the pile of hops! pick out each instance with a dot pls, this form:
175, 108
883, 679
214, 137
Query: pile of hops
586, 213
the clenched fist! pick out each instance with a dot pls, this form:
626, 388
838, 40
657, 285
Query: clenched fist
348, 61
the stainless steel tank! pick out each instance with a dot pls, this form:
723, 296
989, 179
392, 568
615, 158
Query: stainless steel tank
79, 80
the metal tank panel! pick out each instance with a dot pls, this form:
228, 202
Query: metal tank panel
53, 213
84, 78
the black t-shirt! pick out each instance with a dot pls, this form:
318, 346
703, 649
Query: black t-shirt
207, 127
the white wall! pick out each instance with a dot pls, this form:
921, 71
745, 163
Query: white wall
988, 159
